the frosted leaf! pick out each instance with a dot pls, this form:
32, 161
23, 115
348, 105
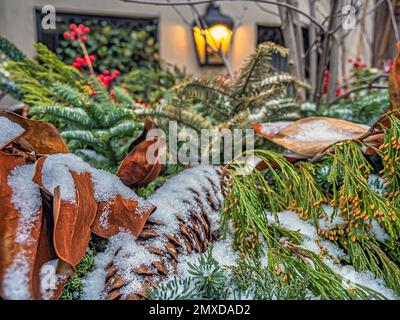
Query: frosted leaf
273, 128
16, 279
321, 131
57, 170
9, 130
26, 198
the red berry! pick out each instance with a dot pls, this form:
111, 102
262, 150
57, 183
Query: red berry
84, 39
91, 57
86, 30
72, 26
66, 35
106, 72
74, 34
116, 73
81, 27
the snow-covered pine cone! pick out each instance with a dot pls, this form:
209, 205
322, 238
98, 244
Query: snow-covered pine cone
185, 222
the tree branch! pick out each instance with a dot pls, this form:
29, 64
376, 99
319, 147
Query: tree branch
159, 3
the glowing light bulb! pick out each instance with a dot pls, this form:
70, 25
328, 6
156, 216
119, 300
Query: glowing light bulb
220, 32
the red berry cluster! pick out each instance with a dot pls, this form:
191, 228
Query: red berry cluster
77, 33
326, 82
80, 62
141, 102
358, 63
106, 78
340, 91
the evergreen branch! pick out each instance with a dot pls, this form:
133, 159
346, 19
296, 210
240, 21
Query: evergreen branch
10, 50
123, 129
257, 66
73, 116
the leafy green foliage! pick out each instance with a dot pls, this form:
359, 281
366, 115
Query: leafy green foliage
152, 85
96, 126
74, 285
229, 103
135, 49
95, 123
365, 109
10, 50
208, 280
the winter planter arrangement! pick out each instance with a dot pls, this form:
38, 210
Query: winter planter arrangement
319, 220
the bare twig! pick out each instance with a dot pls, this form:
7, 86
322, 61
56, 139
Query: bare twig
159, 3
393, 18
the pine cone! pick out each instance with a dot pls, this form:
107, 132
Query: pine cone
184, 223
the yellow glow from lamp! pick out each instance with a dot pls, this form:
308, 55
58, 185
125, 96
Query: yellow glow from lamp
217, 37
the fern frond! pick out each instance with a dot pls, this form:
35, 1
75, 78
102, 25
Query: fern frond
202, 89
117, 115
257, 66
71, 95
123, 97
189, 118
84, 137
124, 129
73, 116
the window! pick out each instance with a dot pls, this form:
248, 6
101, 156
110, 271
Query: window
132, 40
273, 34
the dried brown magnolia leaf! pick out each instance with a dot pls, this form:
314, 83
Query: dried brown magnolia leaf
310, 136
144, 162
72, 221
15, 251
43, 136
128, 214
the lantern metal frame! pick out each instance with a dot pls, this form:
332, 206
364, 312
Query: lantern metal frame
213, 17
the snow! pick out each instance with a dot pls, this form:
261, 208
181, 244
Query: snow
273, 128
57, 170
49, 279
104, 216
321, 131
16, 279
176, 196
26, 198
291, 221
93, 284
9, 131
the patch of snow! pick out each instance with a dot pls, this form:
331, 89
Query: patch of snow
321, 131
291, 221
49, 279
176, 196
9, 130
273, 128
26, 198
16, 279
104, 216
57, 170
93, 284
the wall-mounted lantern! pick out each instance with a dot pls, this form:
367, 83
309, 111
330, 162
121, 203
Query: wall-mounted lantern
212, 34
